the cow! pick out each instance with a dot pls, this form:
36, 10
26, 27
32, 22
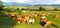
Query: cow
43, 17
31, 21
56, 16
46, 22
19, 20
13, 15
34, 14
23, 19
45, 14
26, 18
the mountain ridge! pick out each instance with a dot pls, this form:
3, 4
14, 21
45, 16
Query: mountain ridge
26, 4
15, 4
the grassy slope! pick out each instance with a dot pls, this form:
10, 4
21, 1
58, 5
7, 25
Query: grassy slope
7, 22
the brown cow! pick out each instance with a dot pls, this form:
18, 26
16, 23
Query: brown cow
56, 16
46, 22
13, 15
23, 19
20, 20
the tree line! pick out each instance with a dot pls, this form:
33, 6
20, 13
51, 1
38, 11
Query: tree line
19, 10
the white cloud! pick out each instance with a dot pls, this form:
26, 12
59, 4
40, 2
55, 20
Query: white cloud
34, 1
5, 0
18, 1
57, 1
23, 1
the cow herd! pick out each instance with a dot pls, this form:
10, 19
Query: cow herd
31, 18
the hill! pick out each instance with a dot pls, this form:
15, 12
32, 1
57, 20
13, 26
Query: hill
15, 4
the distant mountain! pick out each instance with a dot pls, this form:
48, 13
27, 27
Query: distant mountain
15, 4
53, 5
47, 5
26, 4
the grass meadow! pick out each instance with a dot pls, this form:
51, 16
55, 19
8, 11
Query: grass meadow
7, 22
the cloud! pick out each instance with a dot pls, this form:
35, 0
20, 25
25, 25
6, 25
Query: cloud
5, 0
23, 1
34, 1
18, 1
57, 1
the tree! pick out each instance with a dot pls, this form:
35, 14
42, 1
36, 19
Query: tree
19, 11
55, 9
42, 9
1, 6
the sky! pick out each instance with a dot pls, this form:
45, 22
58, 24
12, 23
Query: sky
34, 1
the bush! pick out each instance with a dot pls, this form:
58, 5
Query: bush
1, 6
41, 9
55, 9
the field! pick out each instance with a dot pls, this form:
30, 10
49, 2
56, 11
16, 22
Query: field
7, 22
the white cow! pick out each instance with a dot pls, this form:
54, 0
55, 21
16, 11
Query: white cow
43, 17
31, 21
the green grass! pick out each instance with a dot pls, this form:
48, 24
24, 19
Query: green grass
7, 22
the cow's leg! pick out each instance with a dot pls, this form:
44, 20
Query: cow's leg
33, 22
28, 22
45, 25
24, 21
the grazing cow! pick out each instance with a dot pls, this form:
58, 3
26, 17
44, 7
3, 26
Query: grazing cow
31, 21
56, 16
20, 20
28, 20
49, 13
35, 14
16, 16
23, 19
13, 15
45, 13
43, 17
46, 22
